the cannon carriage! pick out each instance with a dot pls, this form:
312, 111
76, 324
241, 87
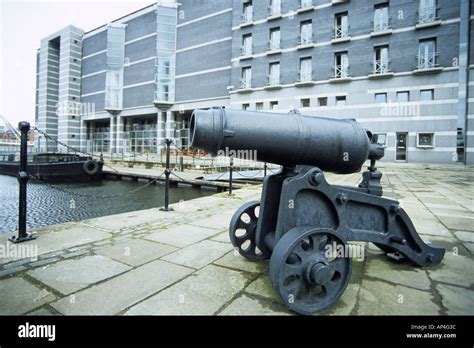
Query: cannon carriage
302, 223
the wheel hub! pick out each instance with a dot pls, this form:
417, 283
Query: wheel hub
319, 274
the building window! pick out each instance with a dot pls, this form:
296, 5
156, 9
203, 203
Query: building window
425, 140
305, 103
247, 45
247, 13
403, 96
427, 54
275, 39
245, 106
381, 60
381, 18
275, 7
246, 81
380, 98
428, 11
380, 139
341, 25
306, 3
341, 65
306, 32
306, 69
273, 105
426, 94
259, 106
341, 100
274, 74
322, 101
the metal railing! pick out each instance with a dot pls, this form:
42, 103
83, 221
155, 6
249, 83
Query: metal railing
245, 51
274, 45
341, 31
245, 84
305, 77
273, 80
341, 71
381, 66
305, 39
381, 25
306, 4
427, 61
246, 18
428, 14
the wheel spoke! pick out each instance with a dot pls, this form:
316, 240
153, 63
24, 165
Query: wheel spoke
290, 270
241, 224
338, 265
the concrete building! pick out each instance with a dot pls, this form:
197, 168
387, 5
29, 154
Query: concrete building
401, 68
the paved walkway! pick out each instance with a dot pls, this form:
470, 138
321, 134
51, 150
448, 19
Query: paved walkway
181, 262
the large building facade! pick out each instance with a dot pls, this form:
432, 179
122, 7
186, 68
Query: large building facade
401, 68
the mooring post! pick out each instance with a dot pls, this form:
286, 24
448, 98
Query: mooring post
167, 177
265, 166
231, 169
23, 236
181, 163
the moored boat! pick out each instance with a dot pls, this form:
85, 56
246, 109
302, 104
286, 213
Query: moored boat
54, 166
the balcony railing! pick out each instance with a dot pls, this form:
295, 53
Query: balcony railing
306, 4
274, 11
341, 31
245, 51
306, 40
305, 77
382, 25
246, 18
427, 61
274, 45
273, 80
381, 67
341, 71
244, 84
428, 15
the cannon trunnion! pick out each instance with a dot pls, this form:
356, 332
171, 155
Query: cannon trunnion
302, 223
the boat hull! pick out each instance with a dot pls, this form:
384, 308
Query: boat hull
70, 171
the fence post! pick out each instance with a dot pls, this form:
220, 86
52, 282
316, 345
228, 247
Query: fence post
22, 177
167, 177
231, 169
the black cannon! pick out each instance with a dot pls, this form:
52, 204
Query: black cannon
302, 223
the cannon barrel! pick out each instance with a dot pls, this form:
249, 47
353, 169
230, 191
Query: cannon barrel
334, 145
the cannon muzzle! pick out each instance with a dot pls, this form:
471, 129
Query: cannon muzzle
338, 146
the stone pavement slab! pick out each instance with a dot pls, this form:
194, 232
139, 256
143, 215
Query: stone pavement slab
218, 222
198, 255
380, 298
63, 238
123, 291
17, 296
458, 223
454, 269
465, 236
181, 235
71, 275
202, 293
432, 227
244, 305
458, 301
136, 252
236, 261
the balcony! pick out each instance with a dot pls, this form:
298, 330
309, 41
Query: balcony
381, 28
341, 35
305, 80
427, 64
381, 70
304, 43
274, 13
162, 101
273, 83
428, 18
246, 20
245, 86
306, 6
341, 74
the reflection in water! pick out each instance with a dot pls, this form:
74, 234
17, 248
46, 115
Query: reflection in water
47, 206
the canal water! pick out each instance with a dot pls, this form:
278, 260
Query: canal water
61, 203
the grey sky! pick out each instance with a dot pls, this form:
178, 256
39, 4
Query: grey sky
23, 23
